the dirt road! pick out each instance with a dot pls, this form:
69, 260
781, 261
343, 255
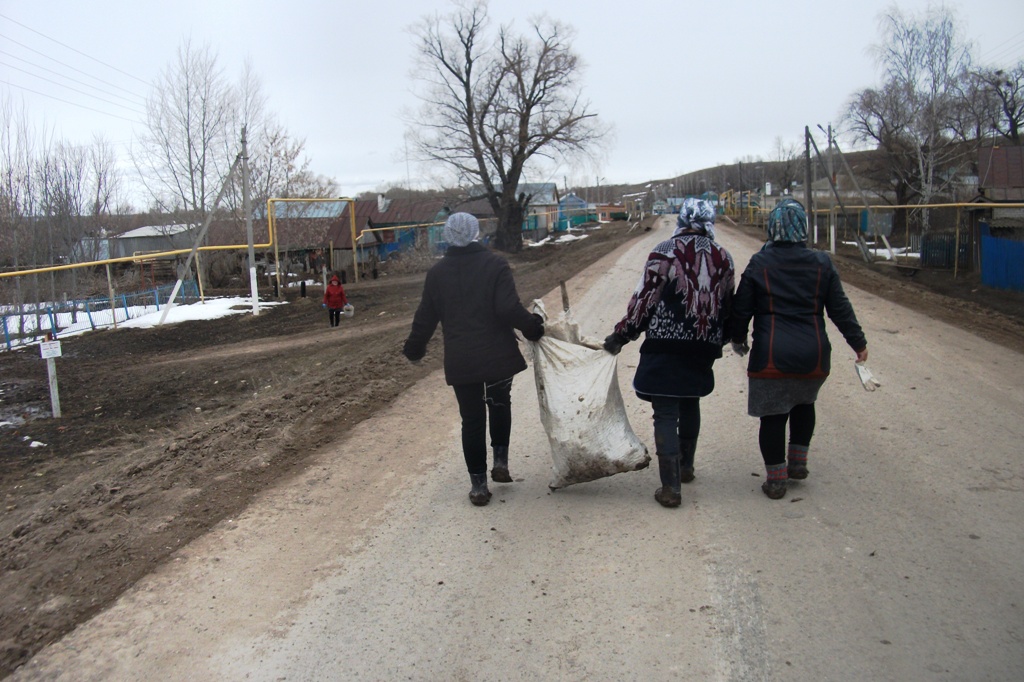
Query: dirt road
899, 558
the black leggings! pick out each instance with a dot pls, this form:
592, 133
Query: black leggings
475, 402
335, 314
772, 436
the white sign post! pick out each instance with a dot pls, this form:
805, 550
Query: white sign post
50, 350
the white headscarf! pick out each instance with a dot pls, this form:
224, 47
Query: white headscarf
460, 229
696, 215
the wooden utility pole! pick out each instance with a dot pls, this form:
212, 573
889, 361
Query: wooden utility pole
807, 179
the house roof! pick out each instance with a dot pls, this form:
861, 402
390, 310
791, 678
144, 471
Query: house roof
543, 193
571, 199
309, 209
154, 231
376, 213
481, 208
1001, 173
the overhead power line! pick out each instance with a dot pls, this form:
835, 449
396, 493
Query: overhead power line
140, 98
1014, 45
73, 49
53, 59
75, 104
81, 92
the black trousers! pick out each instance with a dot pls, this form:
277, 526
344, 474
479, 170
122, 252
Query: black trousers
335, 314
772, 435
675, 419
477, 403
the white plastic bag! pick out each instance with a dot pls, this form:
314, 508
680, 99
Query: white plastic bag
581, 406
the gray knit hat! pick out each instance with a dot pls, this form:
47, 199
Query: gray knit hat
460, 229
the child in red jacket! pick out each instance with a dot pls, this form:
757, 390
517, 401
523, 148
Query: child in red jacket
335, 300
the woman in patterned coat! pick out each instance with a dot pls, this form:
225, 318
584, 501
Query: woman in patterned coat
683, 304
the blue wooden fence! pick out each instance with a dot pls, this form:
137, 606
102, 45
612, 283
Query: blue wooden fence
1002, 263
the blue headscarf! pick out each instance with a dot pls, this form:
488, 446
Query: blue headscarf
696, 215
787, 222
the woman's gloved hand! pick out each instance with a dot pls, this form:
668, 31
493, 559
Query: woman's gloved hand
535, 332
614, 342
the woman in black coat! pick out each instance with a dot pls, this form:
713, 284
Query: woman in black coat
787, 289
472, 294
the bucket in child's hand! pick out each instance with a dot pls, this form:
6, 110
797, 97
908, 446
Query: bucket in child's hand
348, 310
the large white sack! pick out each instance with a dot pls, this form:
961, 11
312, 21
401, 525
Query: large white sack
581, 406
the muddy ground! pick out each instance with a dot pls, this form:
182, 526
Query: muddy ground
168, 431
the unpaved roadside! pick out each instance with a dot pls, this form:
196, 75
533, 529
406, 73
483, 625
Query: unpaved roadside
898, 558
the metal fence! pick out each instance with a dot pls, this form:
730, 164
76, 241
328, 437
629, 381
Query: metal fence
944, 251
29, 323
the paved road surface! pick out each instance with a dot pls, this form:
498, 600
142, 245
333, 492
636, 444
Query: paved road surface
898, 559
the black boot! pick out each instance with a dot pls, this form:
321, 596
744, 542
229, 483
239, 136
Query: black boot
479, 495
499, 473
687, 449
668, 494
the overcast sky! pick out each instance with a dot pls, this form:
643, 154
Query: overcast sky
686, 85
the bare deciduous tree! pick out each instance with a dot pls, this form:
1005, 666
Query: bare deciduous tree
495, 108
786, 163
181, 156
912, 117
277, 167
1005, 91
106, 179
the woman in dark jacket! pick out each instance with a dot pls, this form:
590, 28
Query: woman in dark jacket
786, 289
682, 304
472, 294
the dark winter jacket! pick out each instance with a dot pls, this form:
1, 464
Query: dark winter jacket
334, 294
786, 289
472, 294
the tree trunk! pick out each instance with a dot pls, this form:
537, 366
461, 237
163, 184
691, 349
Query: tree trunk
509, 235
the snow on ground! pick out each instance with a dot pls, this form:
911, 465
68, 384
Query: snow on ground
149, 316
564, 239
880, 251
